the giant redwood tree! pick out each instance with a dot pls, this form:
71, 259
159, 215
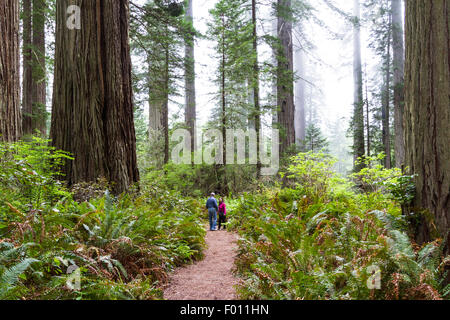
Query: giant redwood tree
399, 78
34, 96
10, 115
358, 96
92, 114
27, 75
300, 87
427, 113
190, 113
285, 75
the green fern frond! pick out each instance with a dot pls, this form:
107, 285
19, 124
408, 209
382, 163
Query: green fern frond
13, 252
401, 244
10, 276
429, 256
120, 267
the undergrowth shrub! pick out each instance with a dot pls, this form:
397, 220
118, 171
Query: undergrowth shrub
200, 180
320, 240
124, 247
374, 178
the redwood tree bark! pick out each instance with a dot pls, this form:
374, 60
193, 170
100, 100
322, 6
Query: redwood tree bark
399, 79
34, 114
165, 110
156, 101
158, 84
274, 88
285, 77
358, 115
27, 75
92, 114
385, 110
300, 97
427, 113
39, 95
10, 115
256, 89
190, 113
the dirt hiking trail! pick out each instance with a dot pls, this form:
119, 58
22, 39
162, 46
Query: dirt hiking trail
211, 278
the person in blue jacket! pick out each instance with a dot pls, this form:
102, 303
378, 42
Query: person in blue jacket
212, 207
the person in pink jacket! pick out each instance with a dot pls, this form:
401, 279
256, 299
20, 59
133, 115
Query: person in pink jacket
222, 214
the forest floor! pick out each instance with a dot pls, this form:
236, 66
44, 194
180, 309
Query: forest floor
211, 278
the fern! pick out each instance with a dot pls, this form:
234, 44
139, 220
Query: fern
401, 245
10, 276
429, 256
13, 252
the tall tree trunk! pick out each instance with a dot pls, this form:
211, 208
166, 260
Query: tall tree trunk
285, 76
250, 103
224, 186
157, 97
369, 143
27, 76
399, 69
39, 95
358, 116
385, 112
92, 113
256, 90
165, 110
34, 114
250, 87
427, 113
10, 115
154, 98
300, 115
190, 116
275, 82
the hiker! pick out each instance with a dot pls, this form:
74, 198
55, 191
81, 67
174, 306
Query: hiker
212, 207
222, 214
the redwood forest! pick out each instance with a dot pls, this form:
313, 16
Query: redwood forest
224, 150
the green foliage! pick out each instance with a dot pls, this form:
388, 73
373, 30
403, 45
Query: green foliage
313, 241
28, 170
316, 239
391, 182
200, 180
158, 31
12, 268
124, 247
312, 172
314, 140
231, 30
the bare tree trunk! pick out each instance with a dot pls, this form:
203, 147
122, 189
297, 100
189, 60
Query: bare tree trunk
165, 110
27, 75
159, 85
34, 114
385, 112
92, 114
224, 187
399, 79
427, 114
256, 90
285, 76
191, 112
10, 115
251, 103
369, 143
358, 116
154, 99
39, 94
275, 84
300, 97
